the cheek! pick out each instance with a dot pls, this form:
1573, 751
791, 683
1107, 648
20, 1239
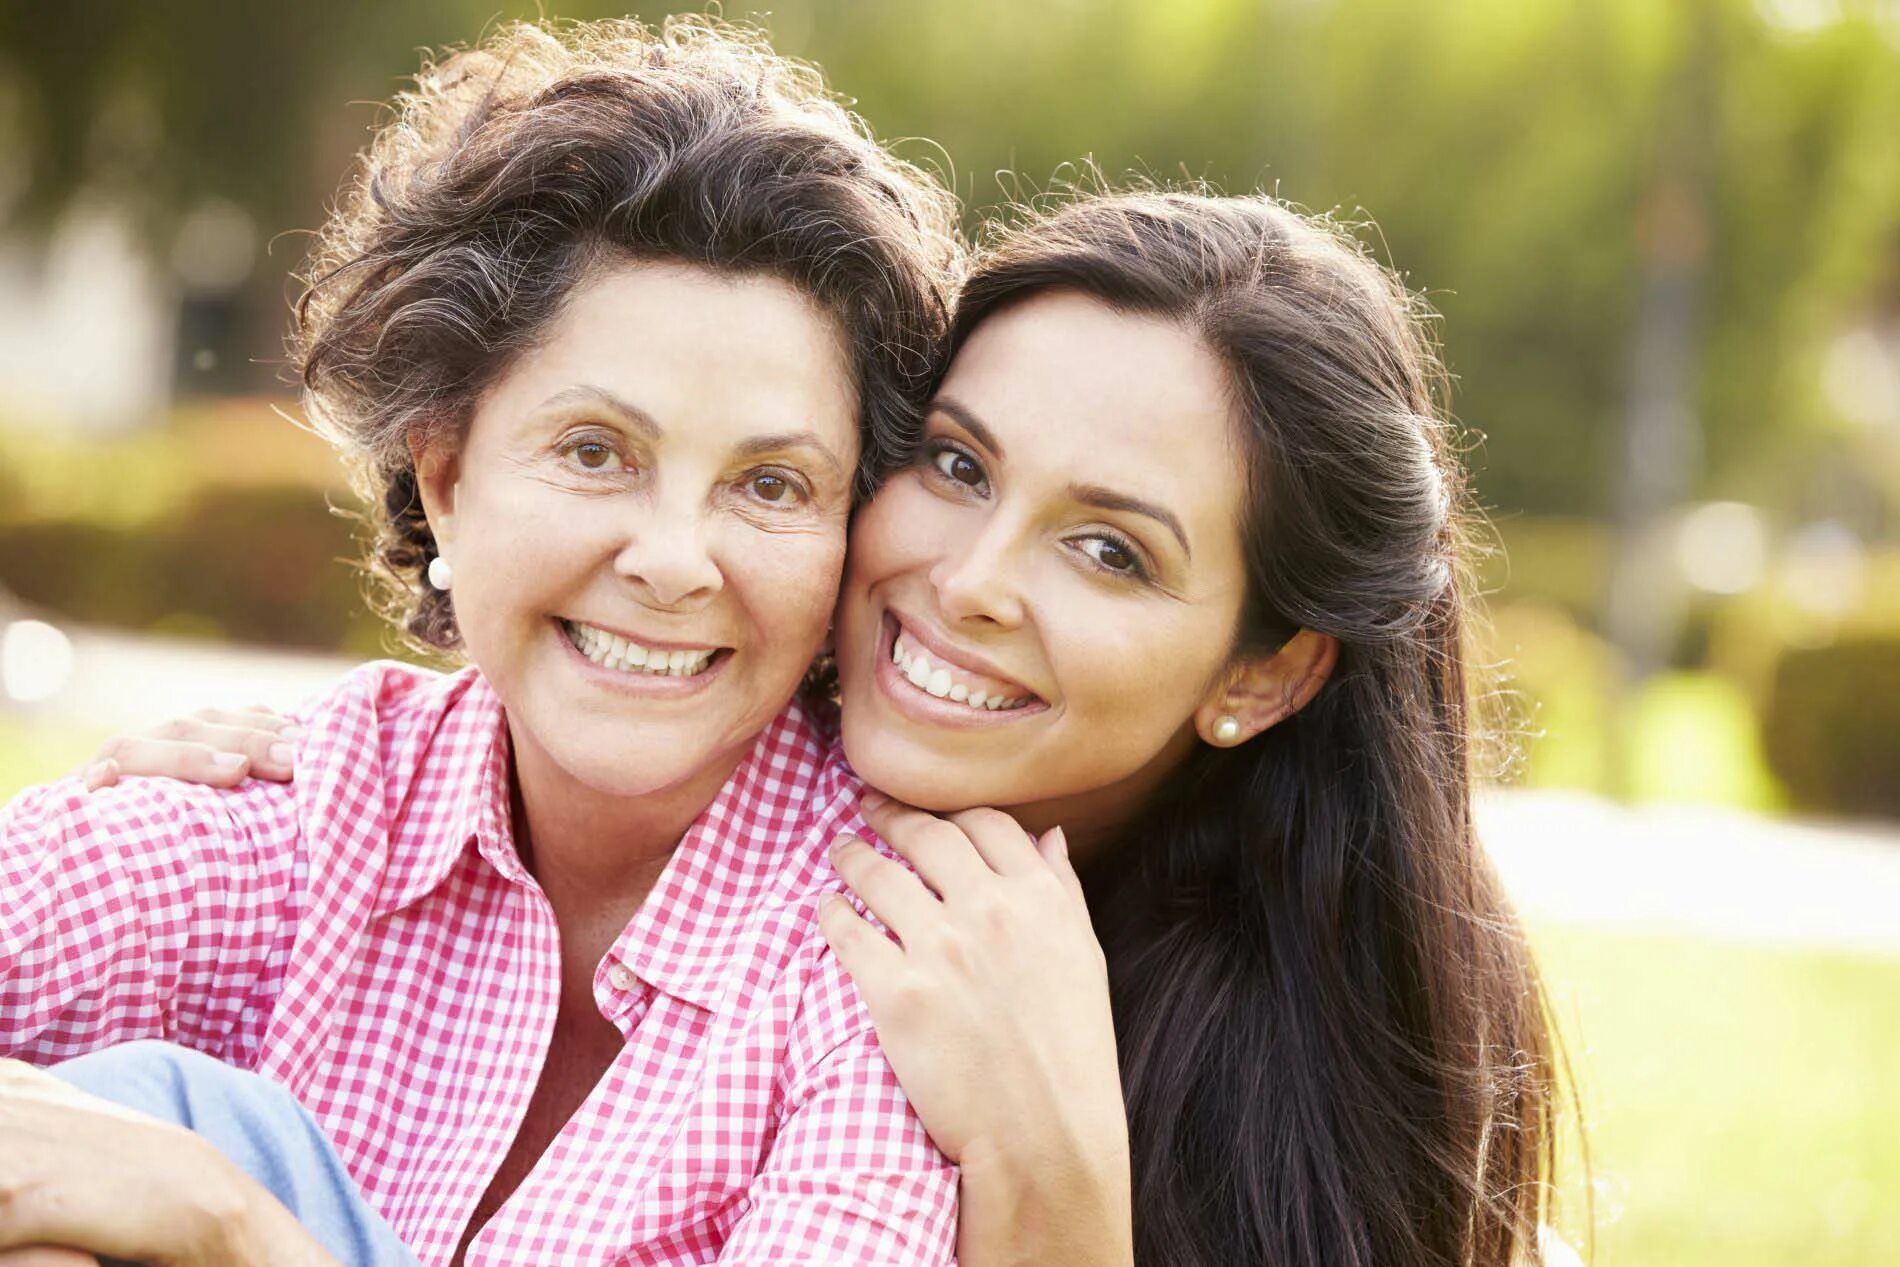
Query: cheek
788, 582
1132, 670
896, 533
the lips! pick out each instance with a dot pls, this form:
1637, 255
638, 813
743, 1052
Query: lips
615, 651
949, 680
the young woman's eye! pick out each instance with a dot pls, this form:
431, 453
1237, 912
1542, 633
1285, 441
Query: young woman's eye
1112, 554
958, 466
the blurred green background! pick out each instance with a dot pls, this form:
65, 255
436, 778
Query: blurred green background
1664, 238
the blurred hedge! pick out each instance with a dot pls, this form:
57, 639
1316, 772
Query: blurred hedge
1831, 725
264, 565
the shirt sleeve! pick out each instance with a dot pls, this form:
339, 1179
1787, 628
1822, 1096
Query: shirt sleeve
148, 910
851, 1177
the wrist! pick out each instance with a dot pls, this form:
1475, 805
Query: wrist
235, 1221
1028, 1201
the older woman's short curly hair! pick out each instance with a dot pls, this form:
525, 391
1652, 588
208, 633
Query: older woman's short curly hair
516, 166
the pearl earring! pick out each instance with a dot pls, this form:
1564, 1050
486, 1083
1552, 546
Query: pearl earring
440, 574
1226, 730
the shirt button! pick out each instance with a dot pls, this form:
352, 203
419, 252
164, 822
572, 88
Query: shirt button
620, 976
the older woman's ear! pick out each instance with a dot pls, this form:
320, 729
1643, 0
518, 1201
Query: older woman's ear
1262, 691
437, 469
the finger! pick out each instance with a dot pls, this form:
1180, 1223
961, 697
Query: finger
271, 752
867, 954
892, 893
101, 774
254, 718
185, 760
46, 1256
1054, 848
942, 854
1000, 839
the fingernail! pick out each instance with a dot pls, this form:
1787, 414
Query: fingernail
841, 844
94, 776
227, 760
1062, 842
281, 753
291, 732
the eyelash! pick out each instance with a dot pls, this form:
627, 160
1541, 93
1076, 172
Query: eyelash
935, 450
572, 445
801, 491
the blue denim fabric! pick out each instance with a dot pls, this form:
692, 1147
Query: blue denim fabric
259, 1126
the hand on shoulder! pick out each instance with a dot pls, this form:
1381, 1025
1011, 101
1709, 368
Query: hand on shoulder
993, 1009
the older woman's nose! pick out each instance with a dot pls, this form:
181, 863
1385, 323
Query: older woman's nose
670, 562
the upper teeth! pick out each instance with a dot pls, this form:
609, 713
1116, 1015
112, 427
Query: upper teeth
947, 682
615, 652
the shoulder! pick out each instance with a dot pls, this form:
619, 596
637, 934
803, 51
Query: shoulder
386, 720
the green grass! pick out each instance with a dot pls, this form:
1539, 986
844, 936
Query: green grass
1740, 1100
35, 752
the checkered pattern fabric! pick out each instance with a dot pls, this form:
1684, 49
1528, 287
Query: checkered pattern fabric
367, 935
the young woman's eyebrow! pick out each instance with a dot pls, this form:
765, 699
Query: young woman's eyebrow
962, 416
631, 415
1108, 499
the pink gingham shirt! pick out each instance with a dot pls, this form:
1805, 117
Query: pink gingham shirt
367, 936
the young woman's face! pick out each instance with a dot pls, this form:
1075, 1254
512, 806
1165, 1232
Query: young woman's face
1067, 543
646, 522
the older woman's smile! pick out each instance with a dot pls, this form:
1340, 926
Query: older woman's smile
624, 653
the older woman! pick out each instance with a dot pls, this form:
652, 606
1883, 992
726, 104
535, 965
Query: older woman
614, 324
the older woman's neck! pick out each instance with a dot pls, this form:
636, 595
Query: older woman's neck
596, 854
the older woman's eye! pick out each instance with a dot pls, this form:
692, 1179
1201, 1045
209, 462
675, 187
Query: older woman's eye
775, 488
593, 455
955, 464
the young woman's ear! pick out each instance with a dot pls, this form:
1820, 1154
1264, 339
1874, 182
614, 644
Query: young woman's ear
1261, 691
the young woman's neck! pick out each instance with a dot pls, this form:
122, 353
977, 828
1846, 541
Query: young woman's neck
1094, 819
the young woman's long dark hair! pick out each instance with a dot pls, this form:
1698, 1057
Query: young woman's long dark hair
1334, 1047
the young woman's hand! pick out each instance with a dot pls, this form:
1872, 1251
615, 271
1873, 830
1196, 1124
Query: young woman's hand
215, 747
84, 1174
994, 1013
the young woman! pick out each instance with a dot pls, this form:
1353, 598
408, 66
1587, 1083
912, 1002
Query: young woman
1185, 504
1176, 578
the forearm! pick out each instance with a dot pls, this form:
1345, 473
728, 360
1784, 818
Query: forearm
1065, 1206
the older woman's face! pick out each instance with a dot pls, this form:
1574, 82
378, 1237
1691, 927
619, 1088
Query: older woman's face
646, 522
1038, 609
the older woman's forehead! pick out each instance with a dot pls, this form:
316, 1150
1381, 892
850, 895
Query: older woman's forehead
667, 345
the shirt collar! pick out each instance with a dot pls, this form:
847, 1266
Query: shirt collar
754, 858
457, 793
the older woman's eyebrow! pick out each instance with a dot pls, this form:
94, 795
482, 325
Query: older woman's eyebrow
635, 418
780, 442
1108, 499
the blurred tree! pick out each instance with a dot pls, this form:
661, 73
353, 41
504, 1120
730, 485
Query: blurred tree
1507, 149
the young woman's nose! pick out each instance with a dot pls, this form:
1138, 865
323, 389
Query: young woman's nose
974, 578
666, 558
